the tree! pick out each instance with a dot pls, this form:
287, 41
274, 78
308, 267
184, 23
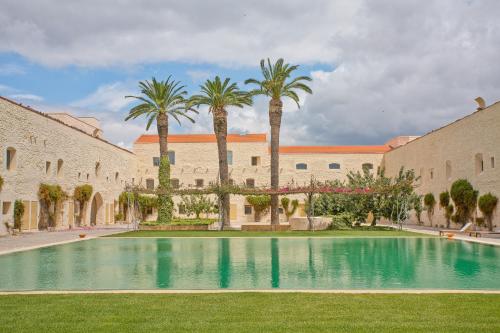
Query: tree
444, 202
82, 195
161, 99
50, 197
218, 96
260, 204
289, 207
417, 206
18, 214
430, 203
487, 205
197, 204
465, 199
277, 83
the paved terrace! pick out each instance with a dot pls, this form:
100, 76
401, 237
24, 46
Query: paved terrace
33, 240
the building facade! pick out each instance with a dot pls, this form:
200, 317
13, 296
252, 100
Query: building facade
70, 151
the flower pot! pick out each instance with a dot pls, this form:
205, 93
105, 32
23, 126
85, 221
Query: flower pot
82, 235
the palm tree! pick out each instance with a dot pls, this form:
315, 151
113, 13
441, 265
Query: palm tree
218, 95
277, 83
161, 99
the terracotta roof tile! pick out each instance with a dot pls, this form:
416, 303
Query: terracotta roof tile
201, 138
334, 149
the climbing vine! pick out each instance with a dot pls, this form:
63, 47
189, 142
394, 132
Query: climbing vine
82, 195
18, 214
1, 183
50, 198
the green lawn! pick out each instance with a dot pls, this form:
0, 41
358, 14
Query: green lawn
361, 232
252, 312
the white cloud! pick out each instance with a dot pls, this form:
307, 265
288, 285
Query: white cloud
198, 75
401, 67
27, 97
110, 97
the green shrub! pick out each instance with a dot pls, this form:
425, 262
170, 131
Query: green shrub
197, 204
430, 203
1, 183
487, 205
119, 217
465, 199
260, 204
444, 202
82, 195
50, 196
342, 221
18, 214
480, 221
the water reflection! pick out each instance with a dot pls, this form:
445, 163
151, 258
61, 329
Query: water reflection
254, 263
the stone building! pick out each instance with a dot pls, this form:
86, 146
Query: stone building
70, 151
467, 148
40, 148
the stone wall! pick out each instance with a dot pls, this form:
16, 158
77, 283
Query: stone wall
48, 151
452, 152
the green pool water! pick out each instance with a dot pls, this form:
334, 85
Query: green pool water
254, 263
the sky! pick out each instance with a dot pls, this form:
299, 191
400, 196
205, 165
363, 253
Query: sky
380, 68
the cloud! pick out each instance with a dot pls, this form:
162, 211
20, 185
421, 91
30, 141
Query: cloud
109, 97
198, 76
399, 67
11, 69
27, 97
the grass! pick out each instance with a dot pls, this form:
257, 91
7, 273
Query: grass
358, 232
250, 312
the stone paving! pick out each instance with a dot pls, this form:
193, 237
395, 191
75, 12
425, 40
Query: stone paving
32, 240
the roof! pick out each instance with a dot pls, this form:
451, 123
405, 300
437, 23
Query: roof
334, 149
61, 122
201, 138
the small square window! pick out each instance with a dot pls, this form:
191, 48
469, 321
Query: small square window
150, 184
231, 181
255, 160
156, 161
248, 210
171, 157
280, 210
149, 211
182, 209
175, 183
6, 207
250, 182
199, 182
301, 166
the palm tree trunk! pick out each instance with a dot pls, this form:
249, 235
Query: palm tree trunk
165, 203
275, 111
220, 130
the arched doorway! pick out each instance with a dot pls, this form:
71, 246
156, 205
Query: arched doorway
96, 210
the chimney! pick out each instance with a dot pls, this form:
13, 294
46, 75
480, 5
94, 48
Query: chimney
480, 103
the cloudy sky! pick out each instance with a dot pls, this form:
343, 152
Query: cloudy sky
380, 68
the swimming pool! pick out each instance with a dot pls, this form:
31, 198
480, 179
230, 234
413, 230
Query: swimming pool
254, 263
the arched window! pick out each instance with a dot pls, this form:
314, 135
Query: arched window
47, 167
117, 176
171, 157
301, 166
334, 166
97, 169
448, 170
479, 162
367, 166
250, 182
60, 163
10, 159
150, 184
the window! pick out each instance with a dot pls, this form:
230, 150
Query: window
182, 209
6, 207
231, 181
479, 163
301, 166
156, 161
431, 173
174, 182
171, 157
199, 182
47, 167
367, 166
117, 177
60, 167
280, 210
11, 159
334, 166
248, 210
79, 175
98, 169
448, 170
88, 176
150, 184
229, 157
250, 182
255, 160
149, 211
492, 162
